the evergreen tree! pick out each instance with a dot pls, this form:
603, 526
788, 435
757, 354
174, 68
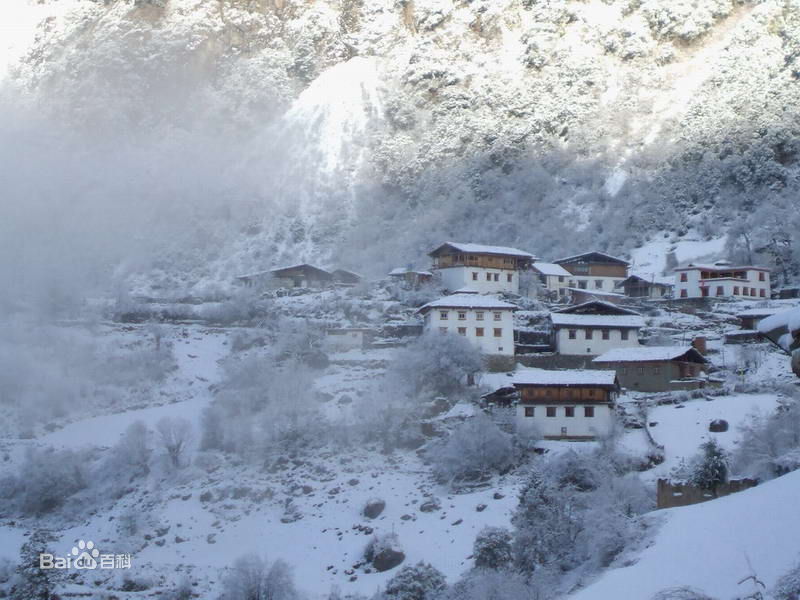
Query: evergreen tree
34, 583
492, 549
712, 468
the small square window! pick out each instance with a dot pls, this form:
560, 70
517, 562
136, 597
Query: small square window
462, 315
624, 334
588, 334
498, 332
684, 294
479, 315
509, 277
551, 411
529, 411
684, 276
598, 284
573, 334
762, 293
606, 334
443, 315
462, 331
569, 411
474, 276
479, 331
497, 276
761, 276
488, 277
498, 316
588, 411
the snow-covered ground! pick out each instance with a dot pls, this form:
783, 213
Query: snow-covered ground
714, 545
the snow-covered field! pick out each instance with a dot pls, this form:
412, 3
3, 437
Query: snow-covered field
714, 545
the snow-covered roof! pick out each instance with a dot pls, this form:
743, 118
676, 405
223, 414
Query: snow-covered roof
665, 280
720, 267
466, 290
595, 253
483, 249
595, 292
598, 307
646, 354
551, 269
468, 301
568, 320
760, 312
781, 326
398, 271
569, 377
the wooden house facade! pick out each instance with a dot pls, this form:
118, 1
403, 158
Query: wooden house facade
595, 271
656, 368
481, 268
569, 404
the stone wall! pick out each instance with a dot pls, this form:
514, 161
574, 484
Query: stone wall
670, 495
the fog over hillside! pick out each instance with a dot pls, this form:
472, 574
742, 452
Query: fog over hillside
237, 135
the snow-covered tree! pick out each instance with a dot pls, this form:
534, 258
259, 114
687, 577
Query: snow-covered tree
711, 467
436, 364
474, 449
492, 548
253, 578
418, 582
175, 435
32, 582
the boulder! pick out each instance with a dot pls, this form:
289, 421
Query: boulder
430, 505
373, 508
718, 426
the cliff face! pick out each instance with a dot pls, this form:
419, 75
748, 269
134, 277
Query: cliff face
280, 129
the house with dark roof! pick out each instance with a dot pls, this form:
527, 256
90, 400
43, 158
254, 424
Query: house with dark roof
485, 269
295, 276
649, 288
594, 327
595, 271
656, 368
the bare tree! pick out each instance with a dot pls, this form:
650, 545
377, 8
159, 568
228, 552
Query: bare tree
175, 434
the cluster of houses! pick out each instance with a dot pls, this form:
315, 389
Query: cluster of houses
592, 327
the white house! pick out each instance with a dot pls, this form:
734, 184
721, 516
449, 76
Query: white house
722, 280
552, 277
485, 269
593, 328
485, 321
569, 404
595, 271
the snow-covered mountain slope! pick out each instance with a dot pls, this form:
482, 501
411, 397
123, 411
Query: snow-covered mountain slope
714, 545
249, 134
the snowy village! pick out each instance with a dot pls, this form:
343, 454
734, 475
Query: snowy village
399, 299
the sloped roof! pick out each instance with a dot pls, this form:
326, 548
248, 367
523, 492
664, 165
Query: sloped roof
718, 267
760, 312
398, 271
598, 257
570, 377
649, 354
551, 269
611, 321
781, 327
597, 307
482, 249
303, 267
651, 279
467, 301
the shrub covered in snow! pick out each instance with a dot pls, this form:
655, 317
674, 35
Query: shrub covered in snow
436, 364
475, 449
769, 445
492, 548
418, 582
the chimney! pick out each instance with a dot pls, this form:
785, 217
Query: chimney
699, 344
